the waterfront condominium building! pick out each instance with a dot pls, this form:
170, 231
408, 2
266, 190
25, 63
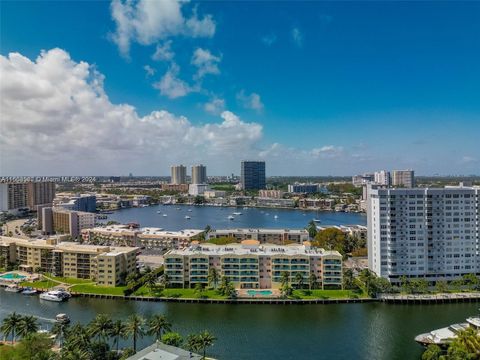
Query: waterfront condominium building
178, 174
271, 236
303, 188
403, 178
83, 202
18, 195
252, 175
426, 233
360, 180
199, 174
251, 265
68, 222
107, 266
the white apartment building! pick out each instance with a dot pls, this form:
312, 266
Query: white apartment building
425, 233
272, 236
382, 177
251, 265
197, 189
405, 178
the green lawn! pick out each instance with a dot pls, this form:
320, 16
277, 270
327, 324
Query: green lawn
70, 281
327, 294
179, 293
95, 289
42, 284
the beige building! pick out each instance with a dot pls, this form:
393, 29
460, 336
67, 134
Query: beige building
276, 194
14, 196
39, 193
251, 265
403, 178
178, 175
271, 236
70, 222
105, 265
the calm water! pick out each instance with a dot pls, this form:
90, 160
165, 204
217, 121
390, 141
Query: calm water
343, 331
217, 217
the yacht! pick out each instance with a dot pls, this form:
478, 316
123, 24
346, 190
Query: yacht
29, 291
230, 217
275, 217
13, 288
187, 217
316, 220
445, 335
190, 210
62, 318
159, 212
237, 213
164, 215
55, 295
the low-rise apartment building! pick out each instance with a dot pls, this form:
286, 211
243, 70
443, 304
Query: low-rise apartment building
251, 265
271, 236
107, 266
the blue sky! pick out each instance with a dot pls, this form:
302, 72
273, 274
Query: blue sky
314, 88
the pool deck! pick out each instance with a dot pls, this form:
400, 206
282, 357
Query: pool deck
243, 294
22, 276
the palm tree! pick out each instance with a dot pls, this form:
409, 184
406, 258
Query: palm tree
134, 327
157, 325
213, 277
150, 280
193, 343
10, 325
76, 337
312, 229
205, 339
101, 326
27, 325
59, 329
285, 278
117, 331
299, 280
312, 281
172, 338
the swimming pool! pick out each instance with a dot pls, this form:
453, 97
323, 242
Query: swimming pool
259, 292
12, 276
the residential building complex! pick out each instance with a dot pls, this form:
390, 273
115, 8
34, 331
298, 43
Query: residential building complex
197, 189
107, 266
275, 194
425, 233
23, 195
83, 202
303, 188
271, 236
403, 178
178, 175
382, 177
199, 174
251, 265
360, 180
69, 222
252, 175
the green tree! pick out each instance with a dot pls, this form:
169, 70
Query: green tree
213, 277
227, 288
10, 325
441, 286
200, 342
312, 281
312, 229
433, 352
348, 279
118, 331
101, 327
135, 328
299, 280
60, 329
471, 281
150, 280
330, 239
157, 325
35, 346
172, 338
367, 277
285, 288
27, 325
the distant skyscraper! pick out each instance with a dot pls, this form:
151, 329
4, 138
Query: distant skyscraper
179, 174
405, 178
199, 174
253, 175
382, 177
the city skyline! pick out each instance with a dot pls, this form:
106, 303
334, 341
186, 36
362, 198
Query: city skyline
314, 90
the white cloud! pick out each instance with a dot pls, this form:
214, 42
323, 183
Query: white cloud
146, 22
468, 159
297, 37
171, 86
164, 52
252, 101
269, 39
215, 106
57, 118
149, 70
327, 152
206, 63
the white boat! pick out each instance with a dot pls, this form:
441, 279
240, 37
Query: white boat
316, 220
230, 217
62, 318
164, 215
13, 288
190, 210
275, 217
51, 296
237, 213
187, 217
445, 335
159, 212
29, 291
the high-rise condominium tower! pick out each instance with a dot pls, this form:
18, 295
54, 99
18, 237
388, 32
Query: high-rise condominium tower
179, 174
199, 174
253, 175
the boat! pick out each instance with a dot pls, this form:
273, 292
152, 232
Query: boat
230, 217
190, 210
316, 220
62, 318
237, 213
275, 217
13, 288
29, 291
178, 208
51, 296
187, 217
445, 335
159, 212
164, 215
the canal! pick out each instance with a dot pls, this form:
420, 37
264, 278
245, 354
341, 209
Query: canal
338, 331
217, 217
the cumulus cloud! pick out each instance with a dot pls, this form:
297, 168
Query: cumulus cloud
252, 101
171, 86
149, 70
163, 52
327, 152
215, 106
297, 37
56, 116
146, 22
206, 63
